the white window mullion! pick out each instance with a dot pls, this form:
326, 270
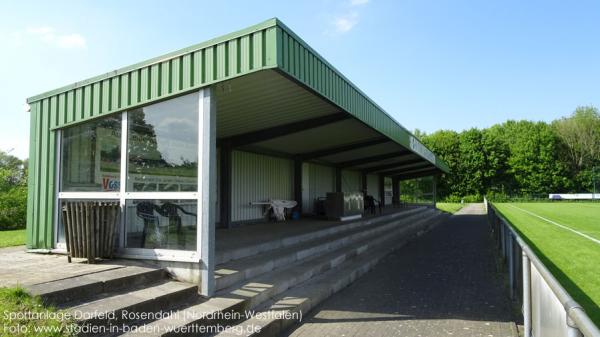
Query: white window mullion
161, 195
205, 242
89, 195
123, 178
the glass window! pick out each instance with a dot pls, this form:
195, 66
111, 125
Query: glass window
161, 224
91, 156
163, 146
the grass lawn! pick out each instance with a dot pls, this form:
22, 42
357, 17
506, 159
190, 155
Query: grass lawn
449, 207
12, 238
573, 259
19, 311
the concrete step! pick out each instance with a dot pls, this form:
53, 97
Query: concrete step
229, 304
61, 292
223, 256
239, 270
112, 310
284, 310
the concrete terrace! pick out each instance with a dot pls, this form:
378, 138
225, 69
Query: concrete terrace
16, 265
439, 280
442, 284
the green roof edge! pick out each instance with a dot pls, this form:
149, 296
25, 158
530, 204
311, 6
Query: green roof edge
273, 22
441, 164
214, 41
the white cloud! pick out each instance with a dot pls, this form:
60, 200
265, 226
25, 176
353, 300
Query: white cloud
51, 37
43, 31
71, 41
345, 23
358, 2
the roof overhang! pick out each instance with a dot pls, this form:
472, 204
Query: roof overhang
274, 94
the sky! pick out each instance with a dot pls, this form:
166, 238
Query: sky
446, 64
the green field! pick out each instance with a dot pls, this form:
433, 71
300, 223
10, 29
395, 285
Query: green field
12, 238
573, 258
449, 207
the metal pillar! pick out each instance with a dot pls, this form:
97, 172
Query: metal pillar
225, 185
364, 185
381, 181
395, 191
207, 177
526, 295
298, 183
435, 178
593, 183
511, 266
338, 179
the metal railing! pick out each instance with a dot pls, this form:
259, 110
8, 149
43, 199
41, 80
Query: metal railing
548, 310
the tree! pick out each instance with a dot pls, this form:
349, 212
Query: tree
496, 175
445, 144
13, 191
580, 133
534, 158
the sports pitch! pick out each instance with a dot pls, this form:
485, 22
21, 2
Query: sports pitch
566, 237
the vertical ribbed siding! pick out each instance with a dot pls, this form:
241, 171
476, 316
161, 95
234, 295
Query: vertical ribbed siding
258, 177
264, 46
41, 180
373, 185
218, 187
351, 181
321, 179
173, 76
126, 89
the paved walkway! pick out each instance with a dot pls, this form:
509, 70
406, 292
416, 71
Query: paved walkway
443, 284
17, 267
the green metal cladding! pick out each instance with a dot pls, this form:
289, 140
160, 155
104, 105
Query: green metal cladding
268, 45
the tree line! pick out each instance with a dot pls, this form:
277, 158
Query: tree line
524, 159
13, 192
514, 159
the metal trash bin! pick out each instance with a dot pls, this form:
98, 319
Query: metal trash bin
90, 228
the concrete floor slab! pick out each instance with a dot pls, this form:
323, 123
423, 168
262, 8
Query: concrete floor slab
18, 267
443, 284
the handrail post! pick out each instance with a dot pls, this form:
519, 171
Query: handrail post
511, 266
526, 295
572, 330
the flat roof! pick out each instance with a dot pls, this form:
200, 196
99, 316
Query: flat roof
267, 45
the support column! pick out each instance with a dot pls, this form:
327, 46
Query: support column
526, 295
225, 185
298, 183
395, 191
207, 177
364, 183
434, 196
338, 179
381, 182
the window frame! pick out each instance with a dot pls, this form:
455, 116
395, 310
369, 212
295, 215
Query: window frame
122, 196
